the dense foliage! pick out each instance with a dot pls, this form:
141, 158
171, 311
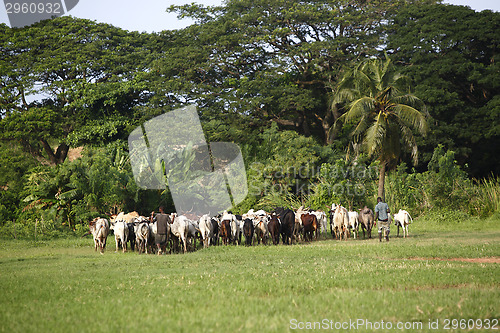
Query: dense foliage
268, 75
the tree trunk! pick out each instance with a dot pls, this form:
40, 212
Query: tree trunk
334, 113
381, 181
326, 123
59, 155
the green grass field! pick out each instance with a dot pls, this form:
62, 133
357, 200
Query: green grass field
64, 286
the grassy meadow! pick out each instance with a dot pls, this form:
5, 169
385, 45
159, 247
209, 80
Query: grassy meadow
64, 286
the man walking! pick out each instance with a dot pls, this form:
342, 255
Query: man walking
382, 216
162, 223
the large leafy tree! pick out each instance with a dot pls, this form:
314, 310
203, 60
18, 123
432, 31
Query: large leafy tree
272, 59
66, 81
383, 111
452, 55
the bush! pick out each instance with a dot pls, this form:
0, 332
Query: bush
77, 191
37, 229
346, 183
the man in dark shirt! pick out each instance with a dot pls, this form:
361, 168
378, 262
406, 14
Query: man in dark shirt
162, 224
382, 215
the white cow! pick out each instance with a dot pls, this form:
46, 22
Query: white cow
206, 230
99, 228
322, 220
143, 234
120, 229
340, 222
261, 231
180, 229
193, 228
403, 219
298, 222
353, 222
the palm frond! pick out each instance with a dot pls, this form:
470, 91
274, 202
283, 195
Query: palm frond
337, 125
344, 95
409, 140
412, 117
401, 81
358, 108
362, 80
411, 100
361, 127
375, 135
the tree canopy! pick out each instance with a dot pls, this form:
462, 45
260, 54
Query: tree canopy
83, 74
452, 54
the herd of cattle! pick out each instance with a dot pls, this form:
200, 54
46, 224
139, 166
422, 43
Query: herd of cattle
255, 226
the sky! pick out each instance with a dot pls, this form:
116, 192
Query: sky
151, 15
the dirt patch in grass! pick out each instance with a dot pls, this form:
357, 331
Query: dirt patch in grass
490, 260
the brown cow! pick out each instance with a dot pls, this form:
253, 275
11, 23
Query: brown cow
310, 225
225, 231
127, 218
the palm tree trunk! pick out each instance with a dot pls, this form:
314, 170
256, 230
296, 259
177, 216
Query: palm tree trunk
381, 180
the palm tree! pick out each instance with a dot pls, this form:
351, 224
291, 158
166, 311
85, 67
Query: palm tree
383, 112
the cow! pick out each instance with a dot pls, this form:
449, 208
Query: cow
274, 227
353, 222
332, 213
240, 223
340, 223
366, 220
179, 229
402, 219
310, 225
287, 218
142, 234
128, 218
225, 231
235, 236
120, 228
298, 222
206, 230
131, 235
215, 230
261, 229
248, 231
235, 231
99, 228
322, 220
193, 232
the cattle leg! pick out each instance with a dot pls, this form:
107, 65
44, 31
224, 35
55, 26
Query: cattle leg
184, 242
